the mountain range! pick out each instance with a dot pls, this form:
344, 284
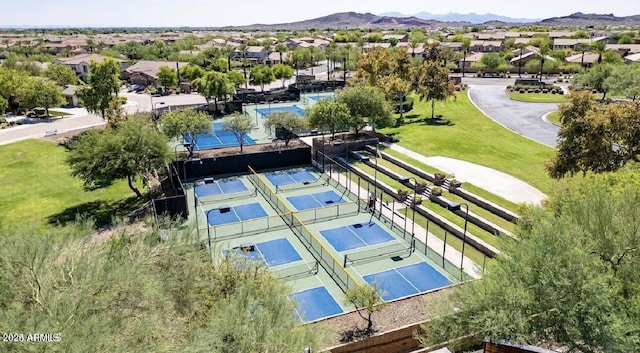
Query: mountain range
466, 17
348, 20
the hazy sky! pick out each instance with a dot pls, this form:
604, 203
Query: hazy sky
213, 13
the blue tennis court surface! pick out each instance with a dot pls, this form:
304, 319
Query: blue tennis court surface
290, 177
408, 280
272, 253
317, 200
356, 235
219, 187
317, 97
316, 303
290, 108
218, 138
235, 214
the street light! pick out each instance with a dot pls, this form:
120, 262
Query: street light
414, 205
456, 207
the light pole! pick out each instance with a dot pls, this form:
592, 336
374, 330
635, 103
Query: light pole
413, 204
456, 207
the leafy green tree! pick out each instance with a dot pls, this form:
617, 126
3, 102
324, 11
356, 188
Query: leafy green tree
103, 85
599, 47
282, 72
366, 104
329, 114
535, 66
290, 122
167, 77
186, 122
571, 280
494, 62
61, 74
4, 104
192, 72
135, 149
214, 85
624, 80
239, 125
40, 92
433, 83
10, 81
595, 78
236, 78
368, 299
595, 138
261, 75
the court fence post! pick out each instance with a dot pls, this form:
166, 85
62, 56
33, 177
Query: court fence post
444, 248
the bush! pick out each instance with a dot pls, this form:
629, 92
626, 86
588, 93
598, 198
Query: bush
536, 91
544, 90
3, 120
521, 91
436, 191
402, 194
122, 100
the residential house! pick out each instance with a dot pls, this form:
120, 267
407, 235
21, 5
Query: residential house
485, 46
586, 59
276, 58
145, 72
400, 38
369, 47
69, 94
570, 43
560, 34
469, 60
624, 49
80, 64
254, 54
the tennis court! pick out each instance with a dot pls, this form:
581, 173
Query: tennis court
316, 200
289, 108
218, 138
315, 303
356, 235
272, 253
318, 97
211, 187
407, 280
227, 214
290, 177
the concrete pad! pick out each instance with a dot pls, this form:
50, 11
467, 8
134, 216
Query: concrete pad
496, 182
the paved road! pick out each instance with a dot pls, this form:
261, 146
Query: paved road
521, 117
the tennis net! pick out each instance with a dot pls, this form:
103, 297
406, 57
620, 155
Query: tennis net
245, 194
297, 271
321, 181
386, 250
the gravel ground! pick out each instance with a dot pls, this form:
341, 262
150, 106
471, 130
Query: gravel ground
395, 315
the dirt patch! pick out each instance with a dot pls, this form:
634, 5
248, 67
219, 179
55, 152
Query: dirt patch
396, 314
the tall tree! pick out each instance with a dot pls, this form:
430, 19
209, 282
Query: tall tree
261, 75
167, 78
185, 124
135, 149
433, 83
571, 280
243, 48
599, 47
368, 299
281, 48
288, 122
282, 72
40, 92
624, 80
596, 78
544, 50
595, 138
367, 105
240, 126
61, 74
103, 85
466, 43
329, 114
214, 85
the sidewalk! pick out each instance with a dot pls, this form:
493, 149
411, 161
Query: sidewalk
46, 127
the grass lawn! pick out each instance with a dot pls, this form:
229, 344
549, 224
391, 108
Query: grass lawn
465, 133
38, 190
538, 97
554, 117
56, 113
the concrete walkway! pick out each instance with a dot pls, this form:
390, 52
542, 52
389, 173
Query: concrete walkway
42, 127
496, 182
520, 117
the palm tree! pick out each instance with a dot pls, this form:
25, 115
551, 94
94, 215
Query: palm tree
281, 48
582, 47
466, 43
521, 47
544, 51
243, 49
599, 47
267, 49
312, 51
228, 50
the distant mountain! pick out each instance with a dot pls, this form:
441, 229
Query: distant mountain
345, 20
353, 20
463, 17
582, 19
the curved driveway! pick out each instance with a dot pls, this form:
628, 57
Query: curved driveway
521, 117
